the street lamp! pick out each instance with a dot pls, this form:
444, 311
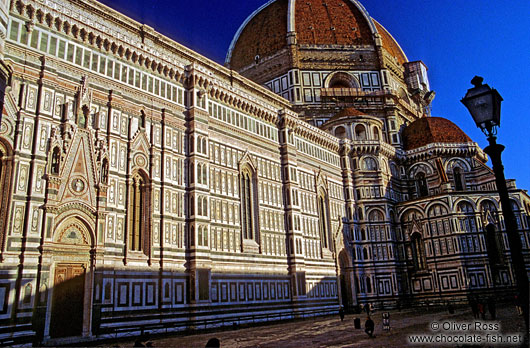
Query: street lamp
484, 104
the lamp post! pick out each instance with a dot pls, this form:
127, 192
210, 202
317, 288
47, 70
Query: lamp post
484, 105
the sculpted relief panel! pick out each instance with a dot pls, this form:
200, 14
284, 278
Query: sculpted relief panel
73, 231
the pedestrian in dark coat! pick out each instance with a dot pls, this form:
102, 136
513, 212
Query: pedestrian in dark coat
341, 314
450, 308
482, 310
518, 305
369, 327
474, 308
491, 308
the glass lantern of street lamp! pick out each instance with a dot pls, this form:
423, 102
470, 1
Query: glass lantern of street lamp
484, 105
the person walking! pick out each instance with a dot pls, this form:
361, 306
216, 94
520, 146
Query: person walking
369, 327
491, 308
474, 307
341, 314
481, 310
518, 305
450, 308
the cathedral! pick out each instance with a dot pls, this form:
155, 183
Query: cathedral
144, 187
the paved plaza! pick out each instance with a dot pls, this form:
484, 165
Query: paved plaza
331, 332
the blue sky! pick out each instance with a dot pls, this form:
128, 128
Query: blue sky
456, 39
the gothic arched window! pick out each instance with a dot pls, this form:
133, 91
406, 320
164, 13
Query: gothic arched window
489, 212
248, 199
467, 218
418, 251
204, 206
27, 294
205, 175
517, 213
323, 219
438, 220
204, 146
105, 172
376, 227
138, 213
421, 185
458, 178
56, 160
394, 170
375, 215
368, 284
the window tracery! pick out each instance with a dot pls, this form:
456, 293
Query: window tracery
421, 185
323, 218
467, 217
458, 179
56, 161
138, 211
418, 251
248, 194
105, 172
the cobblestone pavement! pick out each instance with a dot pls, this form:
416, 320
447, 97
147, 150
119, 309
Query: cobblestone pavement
330, 332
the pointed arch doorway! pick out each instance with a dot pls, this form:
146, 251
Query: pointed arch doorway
69, 313
346, 276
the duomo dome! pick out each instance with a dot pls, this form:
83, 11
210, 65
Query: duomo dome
430, 130
331, 24
325, 55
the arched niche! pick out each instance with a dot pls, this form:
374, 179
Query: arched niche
341, 79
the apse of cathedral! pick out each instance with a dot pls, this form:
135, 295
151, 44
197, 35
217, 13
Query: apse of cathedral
145, 187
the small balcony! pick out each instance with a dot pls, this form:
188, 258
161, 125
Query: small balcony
351, 92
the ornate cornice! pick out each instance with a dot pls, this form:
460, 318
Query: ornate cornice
96, 25
433, 150
79, 206
317, 135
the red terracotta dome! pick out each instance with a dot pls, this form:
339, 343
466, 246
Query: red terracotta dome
331, 22
315, 22
428, 130
261, 35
